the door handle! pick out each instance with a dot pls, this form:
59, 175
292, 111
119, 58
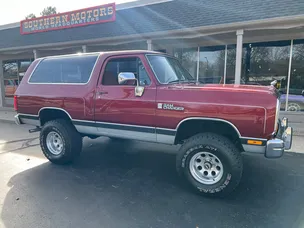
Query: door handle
102, 92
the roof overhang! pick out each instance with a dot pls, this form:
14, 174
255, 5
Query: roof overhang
284, 23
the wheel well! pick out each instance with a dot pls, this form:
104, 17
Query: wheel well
46, 115
193, 127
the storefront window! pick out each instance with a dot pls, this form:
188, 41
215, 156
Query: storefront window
262, 63
296, 88
23, 66
266, 62
10, 76
13, 72
188, 59
230, 65
212, 64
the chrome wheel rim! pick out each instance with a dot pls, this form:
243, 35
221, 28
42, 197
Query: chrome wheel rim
54, 143
206, 168
293, 107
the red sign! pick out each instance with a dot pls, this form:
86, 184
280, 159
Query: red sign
83, 17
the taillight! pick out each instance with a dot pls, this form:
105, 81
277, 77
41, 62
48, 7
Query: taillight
15, 103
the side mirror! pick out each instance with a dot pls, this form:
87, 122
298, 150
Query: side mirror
124, 77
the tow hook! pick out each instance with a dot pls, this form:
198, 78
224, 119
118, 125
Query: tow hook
34, 130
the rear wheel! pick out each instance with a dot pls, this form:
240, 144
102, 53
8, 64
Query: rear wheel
60, 142
210, 163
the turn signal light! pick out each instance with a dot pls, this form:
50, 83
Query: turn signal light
254, 142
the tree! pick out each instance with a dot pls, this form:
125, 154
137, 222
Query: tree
48, 11
30, 16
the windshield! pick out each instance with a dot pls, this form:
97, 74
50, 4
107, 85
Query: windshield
168, 70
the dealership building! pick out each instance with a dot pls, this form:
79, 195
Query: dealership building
242, 42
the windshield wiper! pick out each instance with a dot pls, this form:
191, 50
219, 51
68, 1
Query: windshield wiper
182, 81
176, 81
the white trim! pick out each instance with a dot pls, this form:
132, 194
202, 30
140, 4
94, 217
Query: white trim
28, 115
55, 57
289, 74
166, 129
238, 58
205, 118
35, 52
39, 60
149, 45
55, 109
236, 105
139, 3
84, 48
10, 25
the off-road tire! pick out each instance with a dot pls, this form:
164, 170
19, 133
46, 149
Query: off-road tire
222, 148
72, 141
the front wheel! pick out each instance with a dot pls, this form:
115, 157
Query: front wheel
210, 163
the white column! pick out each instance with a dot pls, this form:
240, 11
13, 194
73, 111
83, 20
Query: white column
84, 48
289, 75
149, 45
36, 55
197, 64
2, 89
238, 59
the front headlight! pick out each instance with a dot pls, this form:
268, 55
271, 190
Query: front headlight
277, 115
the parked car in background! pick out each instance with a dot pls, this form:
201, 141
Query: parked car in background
10, 87
295, 102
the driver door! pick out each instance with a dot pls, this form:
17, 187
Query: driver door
118, 111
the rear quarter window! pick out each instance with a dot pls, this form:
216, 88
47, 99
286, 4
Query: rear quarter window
71, 69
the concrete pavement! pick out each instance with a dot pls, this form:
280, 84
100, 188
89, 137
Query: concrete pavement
134, 184
7, 115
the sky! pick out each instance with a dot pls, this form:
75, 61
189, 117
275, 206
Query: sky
16, 10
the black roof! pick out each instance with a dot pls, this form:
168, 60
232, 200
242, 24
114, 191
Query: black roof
164, 16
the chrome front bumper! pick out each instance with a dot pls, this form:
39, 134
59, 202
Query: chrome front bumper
283, 140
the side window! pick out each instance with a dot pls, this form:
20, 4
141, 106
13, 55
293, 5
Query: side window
72, 69
132, 65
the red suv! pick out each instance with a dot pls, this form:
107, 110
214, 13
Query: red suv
149, 96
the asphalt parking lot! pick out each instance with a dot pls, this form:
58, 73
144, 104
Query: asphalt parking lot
134, 184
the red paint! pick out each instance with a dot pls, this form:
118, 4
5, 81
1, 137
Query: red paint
120, 105
113, 18
15, 103
242, 105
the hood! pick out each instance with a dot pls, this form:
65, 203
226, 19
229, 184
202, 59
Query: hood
230, 88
